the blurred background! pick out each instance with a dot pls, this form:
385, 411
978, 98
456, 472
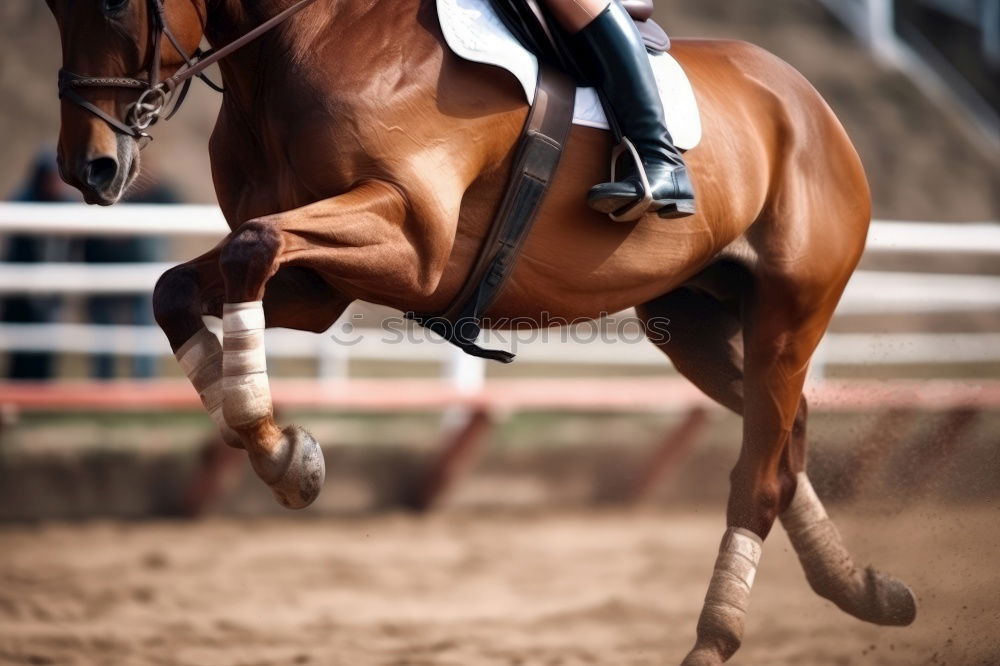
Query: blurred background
558, 498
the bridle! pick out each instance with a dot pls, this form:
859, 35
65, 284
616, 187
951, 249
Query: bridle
160, 96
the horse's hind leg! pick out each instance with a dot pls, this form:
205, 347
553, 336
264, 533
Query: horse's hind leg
705, 345
866, 594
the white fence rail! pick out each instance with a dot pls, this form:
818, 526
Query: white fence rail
208, 222
122, 220
870, 292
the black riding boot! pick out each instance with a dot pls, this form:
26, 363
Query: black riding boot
615, 57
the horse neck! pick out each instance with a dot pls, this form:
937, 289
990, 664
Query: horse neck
288, 52
330, 68
228, 19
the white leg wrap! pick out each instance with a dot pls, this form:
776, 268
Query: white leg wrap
828, 566
830, 570
728, 596
805, 513
720, 626
201, 360
247, 395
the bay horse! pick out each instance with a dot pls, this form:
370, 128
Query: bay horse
356, 158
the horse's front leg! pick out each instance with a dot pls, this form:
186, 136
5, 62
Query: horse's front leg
295, 298
349, 237
182, 295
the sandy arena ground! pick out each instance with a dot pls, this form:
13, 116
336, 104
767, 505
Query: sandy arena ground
468, 589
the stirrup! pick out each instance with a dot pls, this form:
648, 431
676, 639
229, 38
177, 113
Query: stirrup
640, 207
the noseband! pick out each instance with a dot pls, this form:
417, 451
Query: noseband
156, 95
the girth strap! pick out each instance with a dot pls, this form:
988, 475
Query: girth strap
538, 155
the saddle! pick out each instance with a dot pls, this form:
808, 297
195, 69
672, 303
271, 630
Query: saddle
537, 159
534, 27
652, 33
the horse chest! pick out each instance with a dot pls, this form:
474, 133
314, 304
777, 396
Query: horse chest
261, 172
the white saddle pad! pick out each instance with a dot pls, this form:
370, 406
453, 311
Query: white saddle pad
474, 32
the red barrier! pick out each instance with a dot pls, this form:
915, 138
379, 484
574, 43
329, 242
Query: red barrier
572, 394
459, 449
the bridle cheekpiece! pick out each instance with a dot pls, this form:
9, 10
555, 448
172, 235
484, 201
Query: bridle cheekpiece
160, 97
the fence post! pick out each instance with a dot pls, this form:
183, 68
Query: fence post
464, 430
882, 31
465, 373
335, 358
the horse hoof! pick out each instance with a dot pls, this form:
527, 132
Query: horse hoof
296, 471
892, 601
702, 657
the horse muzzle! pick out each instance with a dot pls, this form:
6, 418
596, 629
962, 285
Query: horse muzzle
103, 178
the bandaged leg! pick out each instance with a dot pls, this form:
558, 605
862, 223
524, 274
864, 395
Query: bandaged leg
201, 360
866, 594
720, 627
289, 461
244, 366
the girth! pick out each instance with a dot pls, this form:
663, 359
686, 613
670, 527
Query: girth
538, 154
540, 149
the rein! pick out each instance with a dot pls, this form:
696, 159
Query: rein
157, 96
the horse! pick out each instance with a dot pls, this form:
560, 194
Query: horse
356, 158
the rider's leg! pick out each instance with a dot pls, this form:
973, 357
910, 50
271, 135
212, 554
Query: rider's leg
575, 15
615, 59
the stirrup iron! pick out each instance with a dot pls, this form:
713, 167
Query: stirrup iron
640, 207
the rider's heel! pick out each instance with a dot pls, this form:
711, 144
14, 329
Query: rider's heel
674, 209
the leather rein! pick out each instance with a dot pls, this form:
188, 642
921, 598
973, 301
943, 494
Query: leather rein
161, 96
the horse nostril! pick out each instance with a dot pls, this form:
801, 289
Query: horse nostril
101, 173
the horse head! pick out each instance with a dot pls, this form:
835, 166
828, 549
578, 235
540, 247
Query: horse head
114, 55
